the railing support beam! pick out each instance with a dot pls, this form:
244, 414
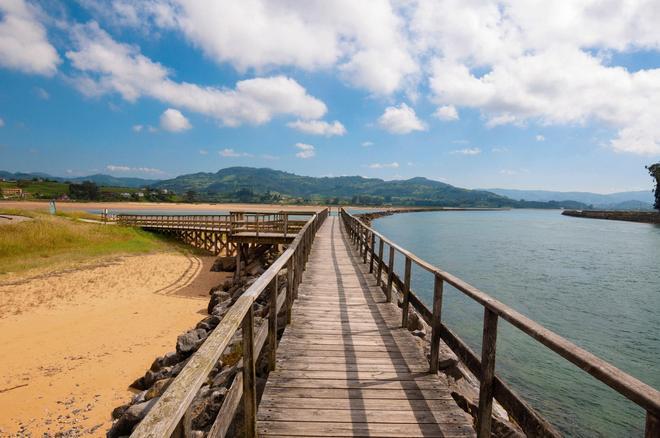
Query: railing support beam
437, 324
488, 347
406, 292
272, 325
249, 376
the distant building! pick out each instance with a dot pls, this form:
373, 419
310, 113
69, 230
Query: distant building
11, 192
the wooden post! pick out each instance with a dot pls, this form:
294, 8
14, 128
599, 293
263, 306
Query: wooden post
366, 246
390, 275
488, 347
437, 321
380, 261
272, 325
406, 293
652, 426
239, 247
289, 288
373, 252
249, 377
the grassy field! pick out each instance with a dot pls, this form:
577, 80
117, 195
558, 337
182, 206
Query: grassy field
48, 241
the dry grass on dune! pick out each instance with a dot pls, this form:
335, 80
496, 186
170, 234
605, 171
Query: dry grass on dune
49, 240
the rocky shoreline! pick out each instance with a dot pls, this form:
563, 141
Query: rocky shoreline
164, 369
648, 217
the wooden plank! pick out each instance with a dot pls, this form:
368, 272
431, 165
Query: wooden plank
387, 404
360, 415
410, 430
411, 387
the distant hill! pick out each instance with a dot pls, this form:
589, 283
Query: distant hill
99, 179
247, 184
637, 200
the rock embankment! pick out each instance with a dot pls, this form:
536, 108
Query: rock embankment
210, 396
649, 217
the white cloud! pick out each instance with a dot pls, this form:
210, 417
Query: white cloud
367, 144
172, 120
446, 113
128, 169
41, 93
24, 44
540, 138
318, 127
364, 41
231, 153
400, 120
2, 122
392, 165
467, 151
519, 62
107, 66
137, 128
306, 150
508, 172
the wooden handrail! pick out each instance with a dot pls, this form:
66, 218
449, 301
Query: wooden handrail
165, 416
491, 386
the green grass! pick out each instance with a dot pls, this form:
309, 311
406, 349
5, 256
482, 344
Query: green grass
47, 241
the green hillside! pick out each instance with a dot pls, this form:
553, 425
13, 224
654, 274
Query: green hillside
247, 184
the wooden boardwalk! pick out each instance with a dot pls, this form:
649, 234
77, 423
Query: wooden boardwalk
345, 366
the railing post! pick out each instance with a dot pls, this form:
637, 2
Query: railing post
380, 261
249, 377
366, 246
289, 289
488, 347
652, 426
437, 321
272, 325
390, 275
373, 252
406, 292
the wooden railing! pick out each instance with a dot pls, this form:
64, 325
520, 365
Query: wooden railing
165, 418
287, 223
491, 386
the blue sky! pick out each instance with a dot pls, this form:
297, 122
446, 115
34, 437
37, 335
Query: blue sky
565, 101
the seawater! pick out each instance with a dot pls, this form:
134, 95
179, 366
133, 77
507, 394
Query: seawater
594, 282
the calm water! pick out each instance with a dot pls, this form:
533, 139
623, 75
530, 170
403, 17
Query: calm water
595, 282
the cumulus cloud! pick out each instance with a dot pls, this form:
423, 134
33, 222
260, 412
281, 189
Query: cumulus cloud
539, 137
400, 120
318, 127
231, 153
446, 113
137, 128
129, 169
172, 120
366, 144
306, 150
467, 151
392, 165
518, 62
24, 44
107, 66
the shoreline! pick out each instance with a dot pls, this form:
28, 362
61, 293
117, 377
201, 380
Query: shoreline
646, 217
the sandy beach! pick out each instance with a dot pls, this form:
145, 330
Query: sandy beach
74, 339
78, 206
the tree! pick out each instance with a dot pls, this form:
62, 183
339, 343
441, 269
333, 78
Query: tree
87, 191
190, 196
654, 171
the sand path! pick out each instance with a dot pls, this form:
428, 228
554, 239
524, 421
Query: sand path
72, 341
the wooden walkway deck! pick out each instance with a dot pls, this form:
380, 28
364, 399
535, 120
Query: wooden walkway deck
345, 366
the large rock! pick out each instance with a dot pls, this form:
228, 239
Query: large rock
158, 388
209, 323
167, 360
188, 342
224, 264
217, 298
131, 416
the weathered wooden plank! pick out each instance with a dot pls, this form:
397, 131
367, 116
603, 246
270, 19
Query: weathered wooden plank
360, 415
387, 404
410, 430
410, 386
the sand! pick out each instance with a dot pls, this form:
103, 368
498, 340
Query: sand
78, 206
73, 340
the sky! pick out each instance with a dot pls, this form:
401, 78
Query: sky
479, 94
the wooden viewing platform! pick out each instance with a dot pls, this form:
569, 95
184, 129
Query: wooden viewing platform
347, 367
346, 364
